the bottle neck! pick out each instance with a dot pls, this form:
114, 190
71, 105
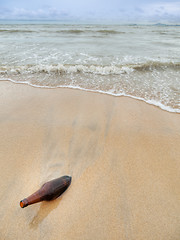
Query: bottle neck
34, 198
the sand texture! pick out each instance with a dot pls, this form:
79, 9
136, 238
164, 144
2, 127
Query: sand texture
123, 156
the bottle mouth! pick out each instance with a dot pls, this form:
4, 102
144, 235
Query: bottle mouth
23, 203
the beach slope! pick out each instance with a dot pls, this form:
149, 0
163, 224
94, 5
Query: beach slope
123, 156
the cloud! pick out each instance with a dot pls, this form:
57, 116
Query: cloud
162, 11
152, 12
149, 11
24, 14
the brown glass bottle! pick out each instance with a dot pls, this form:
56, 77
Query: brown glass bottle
48, 191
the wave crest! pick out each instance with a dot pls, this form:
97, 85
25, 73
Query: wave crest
92, 69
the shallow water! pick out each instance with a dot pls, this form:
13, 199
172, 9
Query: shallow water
131, 60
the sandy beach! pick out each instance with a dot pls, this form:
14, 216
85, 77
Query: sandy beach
123, 156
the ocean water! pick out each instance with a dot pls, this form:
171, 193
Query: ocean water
139, 61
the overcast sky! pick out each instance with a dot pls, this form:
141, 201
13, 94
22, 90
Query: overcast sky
95, 10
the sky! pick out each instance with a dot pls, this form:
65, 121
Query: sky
92, 10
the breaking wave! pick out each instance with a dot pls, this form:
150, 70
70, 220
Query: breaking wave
93, 69
156, 83
68, 31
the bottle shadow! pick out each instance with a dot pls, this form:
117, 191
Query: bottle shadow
45, 209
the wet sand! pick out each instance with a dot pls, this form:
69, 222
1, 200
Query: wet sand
123, 156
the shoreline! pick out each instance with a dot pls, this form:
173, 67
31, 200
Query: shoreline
122, 154
150, 102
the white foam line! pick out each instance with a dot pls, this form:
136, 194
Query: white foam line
151, 102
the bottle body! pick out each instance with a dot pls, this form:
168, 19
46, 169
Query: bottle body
49, 191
